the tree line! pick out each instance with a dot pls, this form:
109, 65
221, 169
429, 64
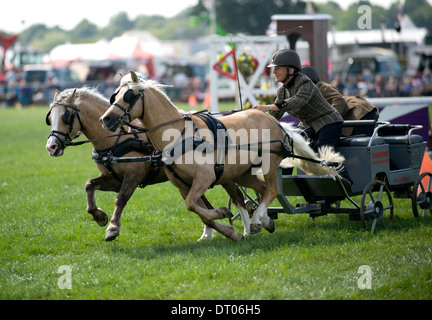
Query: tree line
233, 16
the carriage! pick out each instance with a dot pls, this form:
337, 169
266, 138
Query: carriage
387, 162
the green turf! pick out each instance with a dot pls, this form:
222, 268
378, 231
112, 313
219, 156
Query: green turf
44, 226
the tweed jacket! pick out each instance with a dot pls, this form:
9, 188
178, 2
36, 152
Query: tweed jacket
349, 107
303, 100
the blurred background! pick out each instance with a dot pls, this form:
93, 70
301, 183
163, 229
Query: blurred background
388, 56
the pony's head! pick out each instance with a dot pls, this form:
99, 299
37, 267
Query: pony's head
64, 119
128, 101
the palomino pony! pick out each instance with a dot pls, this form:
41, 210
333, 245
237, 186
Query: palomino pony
208, 162
75, 110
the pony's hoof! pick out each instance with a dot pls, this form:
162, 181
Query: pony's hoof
103, 220
239, 238
204, 238
271, 226
112, 233
255, 228
225, 213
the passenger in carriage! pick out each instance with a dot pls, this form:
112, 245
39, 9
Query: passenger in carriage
349, 107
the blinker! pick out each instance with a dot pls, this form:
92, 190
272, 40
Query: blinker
67, 117
113, 97
129, 96
47, 120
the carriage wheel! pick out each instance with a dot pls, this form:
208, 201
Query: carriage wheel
376, 201
421, 196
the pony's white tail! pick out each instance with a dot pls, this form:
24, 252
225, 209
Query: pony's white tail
301, 148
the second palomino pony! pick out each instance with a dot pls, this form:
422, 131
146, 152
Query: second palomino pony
229, 154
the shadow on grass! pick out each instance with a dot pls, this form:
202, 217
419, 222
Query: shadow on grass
292, 231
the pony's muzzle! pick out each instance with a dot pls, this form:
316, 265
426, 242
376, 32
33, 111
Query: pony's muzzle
109, 123
54, 148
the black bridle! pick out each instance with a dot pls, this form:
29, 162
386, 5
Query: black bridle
69, 119
131, 98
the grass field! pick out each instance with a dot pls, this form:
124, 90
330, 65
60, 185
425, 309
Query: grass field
50, 248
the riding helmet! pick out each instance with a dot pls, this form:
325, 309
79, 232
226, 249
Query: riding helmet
287, 58
311, 73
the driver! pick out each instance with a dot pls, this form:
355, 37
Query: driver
300, 97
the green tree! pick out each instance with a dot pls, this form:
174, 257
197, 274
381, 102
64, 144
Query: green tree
420, 12
84, 31
348, 19
39, 36
51, 39
117, 25
253, 16
32, 33
143, 22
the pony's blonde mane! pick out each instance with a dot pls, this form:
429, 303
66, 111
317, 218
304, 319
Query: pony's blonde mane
146, 84
142, 84
84, 92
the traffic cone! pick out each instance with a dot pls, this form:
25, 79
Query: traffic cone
207, 100
426, 167
192, 101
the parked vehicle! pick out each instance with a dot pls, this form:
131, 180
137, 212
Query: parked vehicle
38, 75
369, 63
39, 82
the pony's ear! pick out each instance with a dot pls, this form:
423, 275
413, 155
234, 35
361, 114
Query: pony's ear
56, 93
134, 77
71, 98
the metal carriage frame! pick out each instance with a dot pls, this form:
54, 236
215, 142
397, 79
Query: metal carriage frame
387, 162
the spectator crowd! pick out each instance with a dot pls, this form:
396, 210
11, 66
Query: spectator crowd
14, 91
407, 85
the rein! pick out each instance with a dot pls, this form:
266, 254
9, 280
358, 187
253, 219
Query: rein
185, 116
133, 99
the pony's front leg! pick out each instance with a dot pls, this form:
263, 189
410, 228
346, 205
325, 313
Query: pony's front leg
207, 233
102, 183
260, 216
193, 203
130, 183
238, 199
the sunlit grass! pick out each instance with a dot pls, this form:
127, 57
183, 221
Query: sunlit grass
44, 225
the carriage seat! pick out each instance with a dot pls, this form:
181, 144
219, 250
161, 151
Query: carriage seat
358, 141
402, 151
403, 139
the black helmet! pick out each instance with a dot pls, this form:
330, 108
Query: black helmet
311, 73
287, 58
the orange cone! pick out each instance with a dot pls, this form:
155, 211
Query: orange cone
192, 101
207, 101
426, 167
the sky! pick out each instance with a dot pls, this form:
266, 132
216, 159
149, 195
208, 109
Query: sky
21, 14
